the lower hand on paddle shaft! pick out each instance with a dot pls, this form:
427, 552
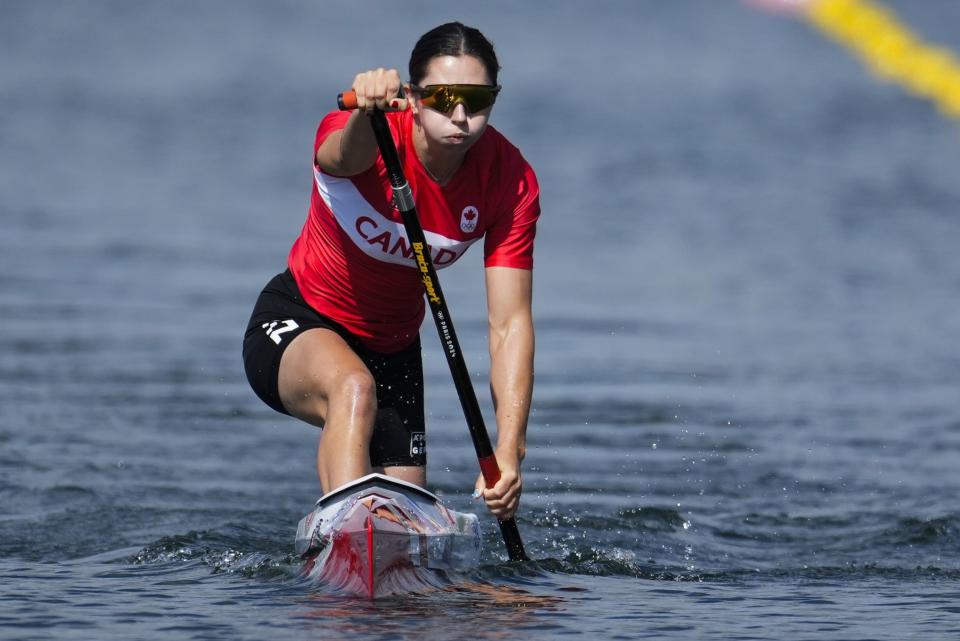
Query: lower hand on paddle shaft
503, 498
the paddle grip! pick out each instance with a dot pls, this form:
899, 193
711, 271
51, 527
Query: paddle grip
347, 101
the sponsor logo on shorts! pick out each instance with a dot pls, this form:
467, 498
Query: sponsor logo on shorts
276, 329
418, 443
468, 219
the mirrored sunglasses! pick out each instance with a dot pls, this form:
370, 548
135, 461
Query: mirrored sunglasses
444, 98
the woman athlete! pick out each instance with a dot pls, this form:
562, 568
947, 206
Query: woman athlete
334, 340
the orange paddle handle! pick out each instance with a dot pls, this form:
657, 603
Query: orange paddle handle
347, 101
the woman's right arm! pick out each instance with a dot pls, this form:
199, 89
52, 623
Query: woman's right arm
353, 149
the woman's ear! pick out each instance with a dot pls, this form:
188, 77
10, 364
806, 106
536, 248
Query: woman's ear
413, 101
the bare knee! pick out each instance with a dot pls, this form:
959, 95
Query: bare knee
351, 400
355, 395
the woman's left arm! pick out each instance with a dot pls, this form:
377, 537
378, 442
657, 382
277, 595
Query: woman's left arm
509, 295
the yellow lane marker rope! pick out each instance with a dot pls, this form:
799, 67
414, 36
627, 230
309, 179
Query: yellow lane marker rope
888, 48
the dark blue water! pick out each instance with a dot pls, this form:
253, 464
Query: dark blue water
746, 422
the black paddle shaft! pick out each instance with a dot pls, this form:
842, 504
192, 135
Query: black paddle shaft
403, 199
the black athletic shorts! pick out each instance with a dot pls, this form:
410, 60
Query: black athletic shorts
281, 314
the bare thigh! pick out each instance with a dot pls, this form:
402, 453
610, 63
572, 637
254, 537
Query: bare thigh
314, 369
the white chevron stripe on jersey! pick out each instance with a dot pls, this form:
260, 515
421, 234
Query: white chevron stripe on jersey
376, 235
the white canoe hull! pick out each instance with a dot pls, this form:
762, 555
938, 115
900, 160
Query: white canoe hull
379, 536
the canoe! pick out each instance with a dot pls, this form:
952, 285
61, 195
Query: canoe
377, 536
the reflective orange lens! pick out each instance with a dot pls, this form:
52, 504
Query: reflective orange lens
444, 98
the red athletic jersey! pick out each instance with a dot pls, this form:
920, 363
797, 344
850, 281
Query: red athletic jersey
353, 261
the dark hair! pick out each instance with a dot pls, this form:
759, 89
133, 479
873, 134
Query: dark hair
452, 39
